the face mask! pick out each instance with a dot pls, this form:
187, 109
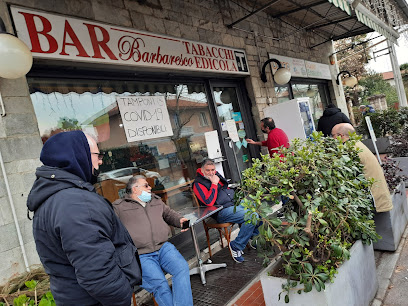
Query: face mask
94, 177
145, 196
264, 131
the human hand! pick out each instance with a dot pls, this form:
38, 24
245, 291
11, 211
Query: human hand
248, 140
182, 220
214, 179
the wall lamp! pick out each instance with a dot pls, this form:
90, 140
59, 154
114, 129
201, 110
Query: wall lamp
15, 57
281, 76
349, 81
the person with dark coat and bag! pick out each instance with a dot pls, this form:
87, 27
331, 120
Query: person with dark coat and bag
332, 115
84, 248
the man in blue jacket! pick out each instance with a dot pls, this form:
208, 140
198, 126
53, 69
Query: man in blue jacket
85, 249
212, 189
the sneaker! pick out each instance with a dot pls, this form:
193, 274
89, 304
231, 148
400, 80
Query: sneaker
252, 244
236, 254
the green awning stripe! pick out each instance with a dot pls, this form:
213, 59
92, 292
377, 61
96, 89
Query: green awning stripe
372, 25
342, 4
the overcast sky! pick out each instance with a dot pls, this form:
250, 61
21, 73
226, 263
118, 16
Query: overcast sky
383, 63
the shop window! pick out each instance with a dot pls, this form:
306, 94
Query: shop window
169, 163
203, 119
282, 93
316, 95
316, 91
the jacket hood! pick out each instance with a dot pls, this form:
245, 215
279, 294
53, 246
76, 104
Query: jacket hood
49, 181
199, 172
69, 151
331, 111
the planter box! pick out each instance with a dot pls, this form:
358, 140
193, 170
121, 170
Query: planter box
402, 162
382, 144
391, 224
355, 284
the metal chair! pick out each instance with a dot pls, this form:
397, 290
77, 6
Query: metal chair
224, 229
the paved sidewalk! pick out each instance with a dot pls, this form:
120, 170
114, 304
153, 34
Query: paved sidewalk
392, 273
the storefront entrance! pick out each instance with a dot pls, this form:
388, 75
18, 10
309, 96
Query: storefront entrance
189, 111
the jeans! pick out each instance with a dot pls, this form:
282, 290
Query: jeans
247, 230
167, 259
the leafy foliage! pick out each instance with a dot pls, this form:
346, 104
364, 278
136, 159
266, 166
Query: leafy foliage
392, 174
404, 66
23, 300
399, 145
329, 207
351, 54
387, 122
374, 84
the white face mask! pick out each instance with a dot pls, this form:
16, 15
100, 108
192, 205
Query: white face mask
145, 196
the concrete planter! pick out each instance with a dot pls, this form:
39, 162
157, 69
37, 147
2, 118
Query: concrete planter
355, 284
390, 225
382, 144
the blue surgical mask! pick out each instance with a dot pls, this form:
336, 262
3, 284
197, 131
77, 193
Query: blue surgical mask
145, 196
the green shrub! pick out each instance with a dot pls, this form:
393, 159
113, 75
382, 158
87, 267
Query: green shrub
385, 123
329, 207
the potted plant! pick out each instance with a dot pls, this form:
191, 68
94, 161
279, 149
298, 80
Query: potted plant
399, 152
390, 225
385, 123
327, 222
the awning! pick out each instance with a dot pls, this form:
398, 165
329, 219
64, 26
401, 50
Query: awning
327, 19
342, 4
65, 86
368, 18
373, 22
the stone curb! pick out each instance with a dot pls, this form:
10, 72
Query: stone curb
386, 262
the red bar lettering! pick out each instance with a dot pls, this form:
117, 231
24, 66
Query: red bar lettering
186, 43
34, 33
97, 44
201, 49
75, 41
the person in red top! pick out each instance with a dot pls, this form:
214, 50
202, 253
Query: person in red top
276, 137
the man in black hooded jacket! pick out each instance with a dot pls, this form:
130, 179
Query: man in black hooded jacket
332, 115
87, 252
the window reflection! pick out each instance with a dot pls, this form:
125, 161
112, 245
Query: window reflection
282, 93
315, 93
169, 163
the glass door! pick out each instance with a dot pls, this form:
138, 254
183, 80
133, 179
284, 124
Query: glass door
234, 126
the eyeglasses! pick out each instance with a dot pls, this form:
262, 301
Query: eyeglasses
144, 185
100, 155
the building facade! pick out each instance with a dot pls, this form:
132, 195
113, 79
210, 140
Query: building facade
163, 84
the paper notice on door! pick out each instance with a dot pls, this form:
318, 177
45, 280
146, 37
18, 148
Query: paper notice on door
232, 130
213, 144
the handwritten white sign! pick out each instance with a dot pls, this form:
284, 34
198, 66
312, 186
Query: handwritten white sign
144, 117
